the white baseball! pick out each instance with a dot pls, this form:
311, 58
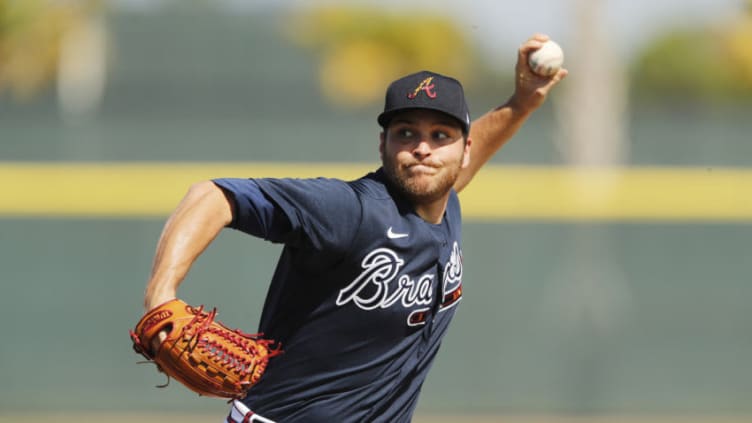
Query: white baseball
547, 60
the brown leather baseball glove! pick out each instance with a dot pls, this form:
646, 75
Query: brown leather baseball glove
200, 352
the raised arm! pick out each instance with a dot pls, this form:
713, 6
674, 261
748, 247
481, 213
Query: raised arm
492, 130
194, 224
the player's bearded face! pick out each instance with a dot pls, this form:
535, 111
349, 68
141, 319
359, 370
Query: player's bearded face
422, 153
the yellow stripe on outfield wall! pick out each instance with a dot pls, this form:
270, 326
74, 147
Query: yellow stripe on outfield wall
136, 190
642, 193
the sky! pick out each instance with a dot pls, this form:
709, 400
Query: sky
501, 25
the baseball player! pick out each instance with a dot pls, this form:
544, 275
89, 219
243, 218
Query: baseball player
370, 272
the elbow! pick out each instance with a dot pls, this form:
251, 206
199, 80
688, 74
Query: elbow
211, 198
202, 189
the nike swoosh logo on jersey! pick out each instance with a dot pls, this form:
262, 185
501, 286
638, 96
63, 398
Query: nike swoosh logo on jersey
394, 235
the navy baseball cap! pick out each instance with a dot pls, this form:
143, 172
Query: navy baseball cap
426, 90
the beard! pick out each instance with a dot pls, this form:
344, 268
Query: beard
422, 186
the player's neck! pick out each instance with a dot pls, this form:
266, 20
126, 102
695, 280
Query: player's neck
432, 211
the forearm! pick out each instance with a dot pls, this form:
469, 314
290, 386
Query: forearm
492, 130
489, 133
497, 126
195, 223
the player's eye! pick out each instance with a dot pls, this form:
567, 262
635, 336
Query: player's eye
440, 136
405, 133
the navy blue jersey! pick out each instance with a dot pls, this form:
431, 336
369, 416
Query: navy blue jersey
360, 300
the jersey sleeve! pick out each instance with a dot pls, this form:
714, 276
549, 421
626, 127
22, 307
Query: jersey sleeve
254, 213
322, 214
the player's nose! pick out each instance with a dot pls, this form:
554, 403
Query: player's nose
422, 148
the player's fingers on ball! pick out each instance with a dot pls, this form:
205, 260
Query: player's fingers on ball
538, 36
555, 79
561, 74
529, 46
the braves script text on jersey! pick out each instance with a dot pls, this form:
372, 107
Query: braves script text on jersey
361, 297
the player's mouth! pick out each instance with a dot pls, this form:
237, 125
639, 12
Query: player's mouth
421, 168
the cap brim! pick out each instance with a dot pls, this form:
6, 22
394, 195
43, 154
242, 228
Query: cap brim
384, 118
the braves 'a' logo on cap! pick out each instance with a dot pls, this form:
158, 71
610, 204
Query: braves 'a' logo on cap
425, 86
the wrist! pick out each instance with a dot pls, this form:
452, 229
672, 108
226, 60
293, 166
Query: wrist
514, 110
520, 106
154, 299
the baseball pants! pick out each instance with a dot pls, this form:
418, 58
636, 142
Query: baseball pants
239, 413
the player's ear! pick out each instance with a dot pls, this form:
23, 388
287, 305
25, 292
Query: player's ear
466, 153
